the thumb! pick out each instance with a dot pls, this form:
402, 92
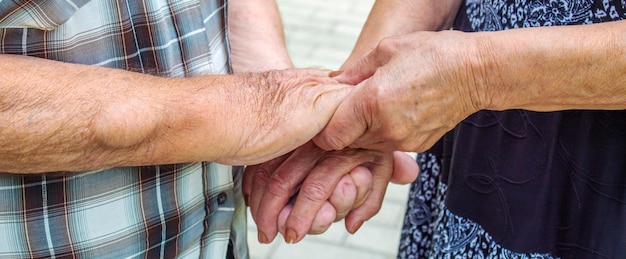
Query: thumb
405, 168
346, 125
327, 102
357, 71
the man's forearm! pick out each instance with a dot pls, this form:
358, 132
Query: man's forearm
66, 117
256, 36
554, 68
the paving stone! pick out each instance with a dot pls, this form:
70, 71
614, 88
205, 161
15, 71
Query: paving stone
313, 250
376, 238
391, 215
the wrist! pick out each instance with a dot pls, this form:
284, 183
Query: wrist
200, 118
217, 121
491, 75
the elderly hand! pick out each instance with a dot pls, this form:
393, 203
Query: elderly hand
330, 185
413, 89
272, 113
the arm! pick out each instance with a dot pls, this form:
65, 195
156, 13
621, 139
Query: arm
457, 74
397, 17
257, 43
66, 117
551, 68
256, 35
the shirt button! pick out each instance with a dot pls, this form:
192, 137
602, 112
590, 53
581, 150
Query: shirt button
221, 198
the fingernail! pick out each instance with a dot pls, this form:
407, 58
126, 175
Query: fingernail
335, 73
262, 238
290, 236
356, 227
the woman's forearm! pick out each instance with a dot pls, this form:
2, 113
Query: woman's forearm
554, 68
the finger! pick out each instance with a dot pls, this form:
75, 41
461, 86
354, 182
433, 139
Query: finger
405, 168
328, 99
347, 124
314, 191
363, 180
323, 220
259, 180
246, 183
351, 191
282, 185
282, 218
323, 100
373, 139
364, 68
260, 175
255, 179
381, 173
302, 110
343, 197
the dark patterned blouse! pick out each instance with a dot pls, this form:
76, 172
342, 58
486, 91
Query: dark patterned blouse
521, 184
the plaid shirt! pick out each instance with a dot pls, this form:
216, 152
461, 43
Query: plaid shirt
187, 210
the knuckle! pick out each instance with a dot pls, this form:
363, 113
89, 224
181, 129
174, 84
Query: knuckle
397, 134
387, 45
336, 142
299, 221
314, 191
342, 207
341, 212
278, 186
262, 175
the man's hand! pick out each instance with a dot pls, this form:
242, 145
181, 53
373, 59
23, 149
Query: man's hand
329, 186
274, 112
413, 89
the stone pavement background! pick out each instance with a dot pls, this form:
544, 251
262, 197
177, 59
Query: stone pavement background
321, 33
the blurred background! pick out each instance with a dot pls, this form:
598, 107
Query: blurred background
321, 34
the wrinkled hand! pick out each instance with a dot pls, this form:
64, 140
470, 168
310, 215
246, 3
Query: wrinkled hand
412, 90
272, 113
331, 185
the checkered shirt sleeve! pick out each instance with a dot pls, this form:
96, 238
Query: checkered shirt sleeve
168, 211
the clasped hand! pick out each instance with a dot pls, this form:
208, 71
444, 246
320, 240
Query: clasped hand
410, 90
288, 110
